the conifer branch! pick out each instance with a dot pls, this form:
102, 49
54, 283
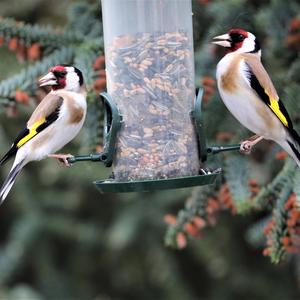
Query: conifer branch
283, 181
46, 36
27, 78
236, 174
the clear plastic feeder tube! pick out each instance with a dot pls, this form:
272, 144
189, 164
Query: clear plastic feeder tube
150, 76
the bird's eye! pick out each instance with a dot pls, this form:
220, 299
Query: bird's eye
237, 37
60, 74
241, 37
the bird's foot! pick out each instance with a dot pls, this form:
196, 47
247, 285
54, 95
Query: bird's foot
62, 158
247, 145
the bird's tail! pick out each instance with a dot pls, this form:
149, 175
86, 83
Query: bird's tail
292, 145
9, 181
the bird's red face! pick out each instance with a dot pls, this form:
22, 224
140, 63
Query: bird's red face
55, 78
60, 73
237, 37
63, 77
238, 40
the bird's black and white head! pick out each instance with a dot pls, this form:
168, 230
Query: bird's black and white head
64, 77
238, 40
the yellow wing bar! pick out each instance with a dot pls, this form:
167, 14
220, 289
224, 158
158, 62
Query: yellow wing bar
32, 132
276, 109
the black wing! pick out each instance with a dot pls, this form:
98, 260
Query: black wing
275, 105
26, 134
281, 113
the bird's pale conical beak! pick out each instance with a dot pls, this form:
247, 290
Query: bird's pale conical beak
48, 79
222, 40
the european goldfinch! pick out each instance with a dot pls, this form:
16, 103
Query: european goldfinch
248, 92
54, 123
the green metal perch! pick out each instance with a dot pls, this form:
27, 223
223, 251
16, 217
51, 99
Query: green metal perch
112, 124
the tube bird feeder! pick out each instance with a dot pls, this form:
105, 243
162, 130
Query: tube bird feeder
154, 135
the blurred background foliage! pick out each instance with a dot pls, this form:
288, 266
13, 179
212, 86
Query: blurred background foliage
61, 239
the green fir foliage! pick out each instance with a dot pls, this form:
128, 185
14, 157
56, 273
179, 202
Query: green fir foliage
61, 239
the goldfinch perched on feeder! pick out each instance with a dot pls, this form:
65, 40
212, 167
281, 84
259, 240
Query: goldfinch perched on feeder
248, 93
54, 123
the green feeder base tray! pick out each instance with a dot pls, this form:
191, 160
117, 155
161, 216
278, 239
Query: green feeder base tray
112, 186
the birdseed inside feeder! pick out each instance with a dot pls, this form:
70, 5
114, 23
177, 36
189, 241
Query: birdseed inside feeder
153, 127
150, 77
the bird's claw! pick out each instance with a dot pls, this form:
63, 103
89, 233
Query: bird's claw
246, 147
62, 158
